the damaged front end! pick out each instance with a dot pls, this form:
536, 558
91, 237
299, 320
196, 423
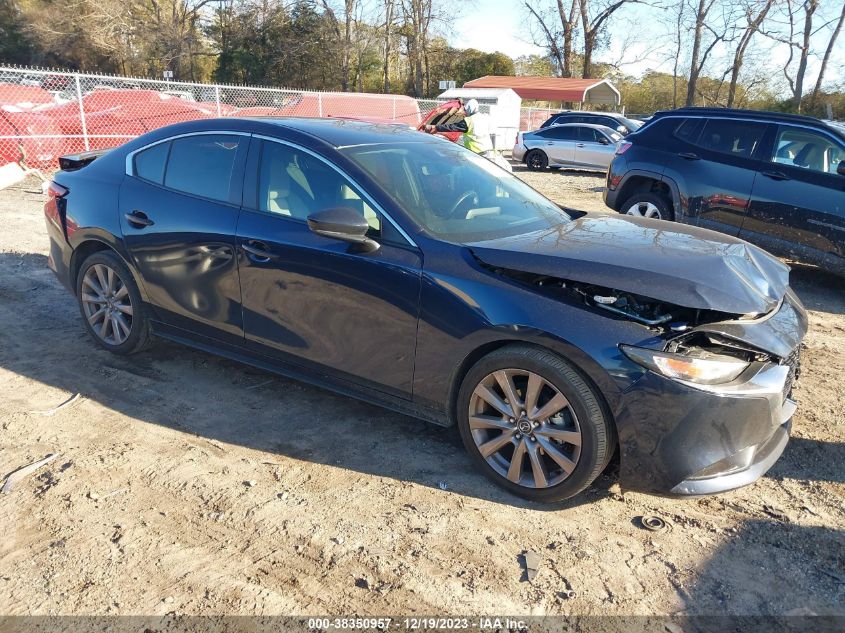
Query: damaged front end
710, 408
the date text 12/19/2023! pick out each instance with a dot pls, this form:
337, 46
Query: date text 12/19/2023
415, 623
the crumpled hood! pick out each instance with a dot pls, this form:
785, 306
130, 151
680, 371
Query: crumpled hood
670, 262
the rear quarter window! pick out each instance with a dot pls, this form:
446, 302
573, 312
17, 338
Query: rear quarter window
687, 130
149, 164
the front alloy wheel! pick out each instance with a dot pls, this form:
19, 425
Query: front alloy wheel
524, 428
532, 424
106, 304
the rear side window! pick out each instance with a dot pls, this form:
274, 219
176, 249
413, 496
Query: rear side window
150, 163
687, 130
202, 165
561, 133
733, 137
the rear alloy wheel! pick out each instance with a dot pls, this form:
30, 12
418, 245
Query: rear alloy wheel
111, 304
536, 160
648, 205
533, 424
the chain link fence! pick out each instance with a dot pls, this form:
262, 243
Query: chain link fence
533, 118
46, 113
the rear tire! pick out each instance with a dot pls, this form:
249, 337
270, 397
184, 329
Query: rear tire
111, 305
533, 454
648, 205
536, 160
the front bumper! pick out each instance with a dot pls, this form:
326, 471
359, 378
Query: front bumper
680, 438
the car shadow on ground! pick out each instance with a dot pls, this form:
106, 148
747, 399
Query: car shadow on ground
746, 575
818, 289
42, 337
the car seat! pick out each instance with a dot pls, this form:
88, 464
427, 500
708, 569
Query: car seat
281, 198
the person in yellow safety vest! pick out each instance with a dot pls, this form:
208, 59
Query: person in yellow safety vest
475, 127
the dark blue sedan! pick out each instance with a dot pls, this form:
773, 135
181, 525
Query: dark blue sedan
403, 270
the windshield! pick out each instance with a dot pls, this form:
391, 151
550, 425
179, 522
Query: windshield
454, 194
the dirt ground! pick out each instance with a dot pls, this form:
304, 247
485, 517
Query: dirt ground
189, 484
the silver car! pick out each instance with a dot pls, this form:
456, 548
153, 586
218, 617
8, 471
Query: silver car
571, 145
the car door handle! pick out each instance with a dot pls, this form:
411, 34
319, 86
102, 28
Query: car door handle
257, 251
689, 156
138, 219
579, 145
549, 143
775, 175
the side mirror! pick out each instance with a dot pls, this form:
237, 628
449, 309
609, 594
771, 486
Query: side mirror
603, 140
343, 223
840, 169
622, 129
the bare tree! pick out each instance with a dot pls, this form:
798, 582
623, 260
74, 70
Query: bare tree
344, 35
568, 22
592, 17
678, 45
592, 26
701, 51
755, 12
388, 33
827, 53
550, 40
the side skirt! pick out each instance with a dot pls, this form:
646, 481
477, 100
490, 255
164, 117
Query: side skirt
296, 372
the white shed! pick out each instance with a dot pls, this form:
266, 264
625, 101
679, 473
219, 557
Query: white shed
504, 108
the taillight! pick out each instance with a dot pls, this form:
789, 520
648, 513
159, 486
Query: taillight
519, 138
623, 147
55, 190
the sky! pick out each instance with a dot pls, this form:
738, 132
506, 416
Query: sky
503, 25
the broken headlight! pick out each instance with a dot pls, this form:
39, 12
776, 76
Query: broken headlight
706, 369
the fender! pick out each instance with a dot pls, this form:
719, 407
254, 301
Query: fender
486, 341
678, 203
80, 237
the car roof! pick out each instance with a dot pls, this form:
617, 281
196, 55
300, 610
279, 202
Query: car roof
760, 115
594, 126
349, 132
589, 113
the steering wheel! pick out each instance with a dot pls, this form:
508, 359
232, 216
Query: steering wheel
462, 199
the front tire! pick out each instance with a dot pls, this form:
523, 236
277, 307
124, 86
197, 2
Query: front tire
648, 205
533, 425
536, 160
111, 305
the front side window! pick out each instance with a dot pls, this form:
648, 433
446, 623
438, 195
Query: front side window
590, 135
732, 137
807, 149
202, 165
454, 194
294, 184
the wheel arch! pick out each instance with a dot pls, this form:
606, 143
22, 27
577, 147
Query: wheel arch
531, 150
638, 181
95, 244
601, 388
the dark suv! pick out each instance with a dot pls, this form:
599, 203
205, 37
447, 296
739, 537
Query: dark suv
614, 121
776, 180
